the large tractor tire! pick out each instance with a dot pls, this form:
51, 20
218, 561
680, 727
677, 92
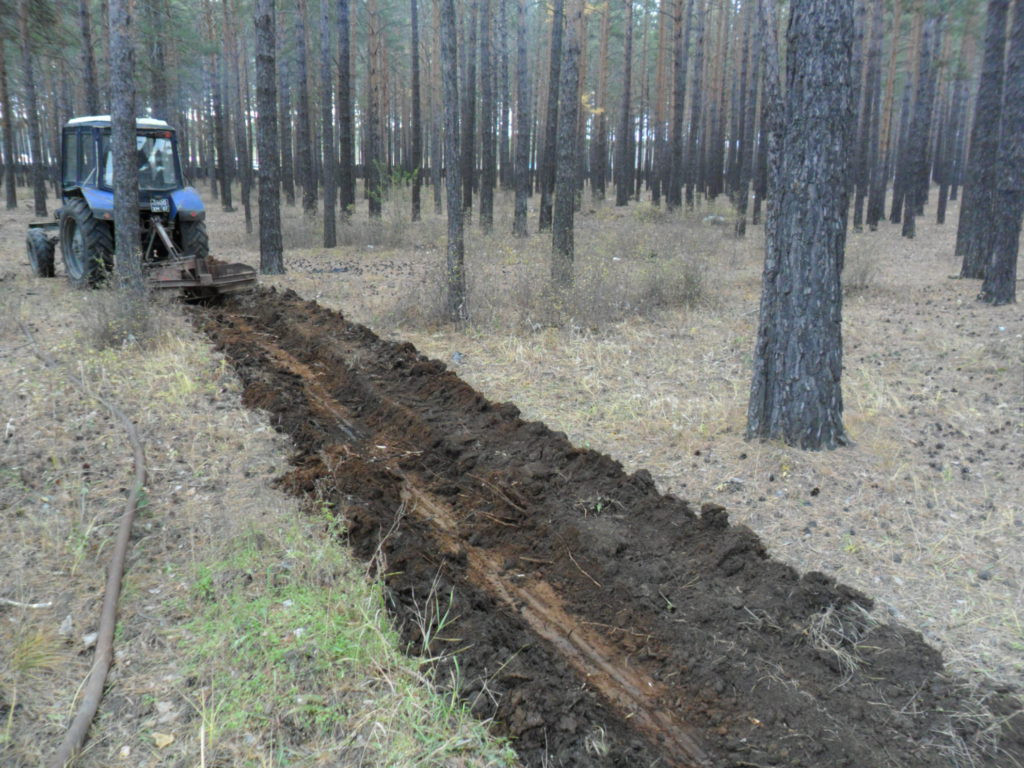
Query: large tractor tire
194, 241
40, 253
86, 244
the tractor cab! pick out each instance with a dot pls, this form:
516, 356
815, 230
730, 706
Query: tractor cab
87, 169
172, 219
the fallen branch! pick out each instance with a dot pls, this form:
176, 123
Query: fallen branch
17, 604
93, 692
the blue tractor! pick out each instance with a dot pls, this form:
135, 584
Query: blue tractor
174, 244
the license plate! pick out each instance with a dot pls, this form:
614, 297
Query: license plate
160, 205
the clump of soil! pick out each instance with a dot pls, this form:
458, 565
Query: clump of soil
596, 620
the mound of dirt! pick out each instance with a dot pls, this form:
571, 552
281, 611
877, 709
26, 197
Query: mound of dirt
597, 621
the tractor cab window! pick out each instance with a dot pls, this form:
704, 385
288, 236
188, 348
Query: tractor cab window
154, 156
70, 174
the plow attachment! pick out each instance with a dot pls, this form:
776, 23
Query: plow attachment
201, 278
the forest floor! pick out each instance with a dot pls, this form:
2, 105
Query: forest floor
647, 361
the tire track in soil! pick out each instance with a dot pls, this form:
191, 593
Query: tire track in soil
595, 620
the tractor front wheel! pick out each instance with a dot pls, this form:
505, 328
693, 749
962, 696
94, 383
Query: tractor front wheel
86, 244
40, 253
194, 241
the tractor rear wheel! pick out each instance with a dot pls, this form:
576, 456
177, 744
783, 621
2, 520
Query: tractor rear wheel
86, 244
40, 253
194, 241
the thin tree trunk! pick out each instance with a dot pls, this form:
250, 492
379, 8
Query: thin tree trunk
417, 128
8, 124
519, 226
271, 250
565, 182
746, 150
346, 171
372, 159
32, 110
623, 165
879, 175
681, 48
284, 89
92, 91
546, 181
327, 128
599, 143
1000, 283
234, 95
973, 244
468, 146
127, 256
487, 138
455, 267
694, 149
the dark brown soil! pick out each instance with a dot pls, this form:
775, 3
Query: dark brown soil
595, 620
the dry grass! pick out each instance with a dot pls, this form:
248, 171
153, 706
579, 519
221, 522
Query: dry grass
193, 682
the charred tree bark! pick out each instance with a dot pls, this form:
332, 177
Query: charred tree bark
565, 183
346, 160
271, 250
519, 227
32, 110
973, 244
455, 266
546, 175
623, 157
1000, 284
796, 394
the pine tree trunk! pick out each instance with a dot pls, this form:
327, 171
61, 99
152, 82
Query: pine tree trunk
271, 251
372, 159
747, 139
468, 139
455, 266
436, 112
546, 176
346, 170
127, 257
695, 149
234, 98
417, 128
796, 394
1000, 284
879, 171
599, 143
284, 89
867, 134
918, 168
327, 128
973, 243
32, 110
565, 182
623, 158
8, 124
681, 48
305, 173
92, 91
488, 159
519, 227
505, 175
